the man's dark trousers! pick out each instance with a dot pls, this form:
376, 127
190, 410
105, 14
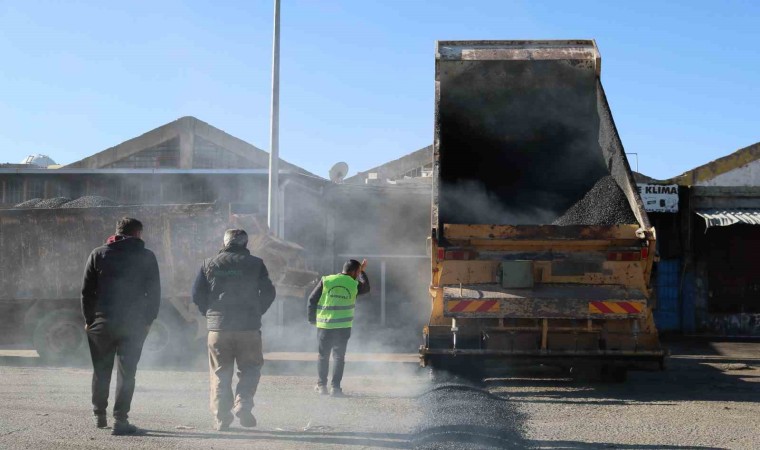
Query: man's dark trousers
335, 341
108, 341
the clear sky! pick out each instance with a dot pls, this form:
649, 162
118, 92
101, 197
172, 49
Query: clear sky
77, 77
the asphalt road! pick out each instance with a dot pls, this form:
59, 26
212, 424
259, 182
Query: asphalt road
707, 398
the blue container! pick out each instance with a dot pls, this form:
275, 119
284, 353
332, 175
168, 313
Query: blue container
667, 316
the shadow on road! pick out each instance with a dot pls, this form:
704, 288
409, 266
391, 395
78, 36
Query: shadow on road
449, 437
684, 380
374, 440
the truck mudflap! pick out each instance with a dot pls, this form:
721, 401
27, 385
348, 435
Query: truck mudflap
553, 301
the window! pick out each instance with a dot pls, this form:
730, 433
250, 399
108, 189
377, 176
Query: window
207, 155
171, 191
197, 190
59, 188
14, 191
35, 188
130, 192
165, 155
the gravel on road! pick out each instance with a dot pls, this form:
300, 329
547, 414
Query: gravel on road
466, 416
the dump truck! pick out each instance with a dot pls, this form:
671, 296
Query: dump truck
524, 137
43, 252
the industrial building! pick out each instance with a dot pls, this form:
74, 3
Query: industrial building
185, 161
190, 161
416, 167
706, 279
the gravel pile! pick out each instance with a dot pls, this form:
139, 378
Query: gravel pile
52, 202
89, 201
604, 204
29, 203
459, 416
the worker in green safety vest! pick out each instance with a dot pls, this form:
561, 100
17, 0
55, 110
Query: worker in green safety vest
331, 309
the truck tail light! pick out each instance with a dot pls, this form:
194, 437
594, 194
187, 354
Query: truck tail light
644, 252
449, 255
460, 254
624, 256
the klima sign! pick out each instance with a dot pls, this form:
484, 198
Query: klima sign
658, 197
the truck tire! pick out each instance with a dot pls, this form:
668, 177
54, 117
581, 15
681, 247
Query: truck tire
457, 369
600, 374
586, 374
60, 337
168, 342
614, 374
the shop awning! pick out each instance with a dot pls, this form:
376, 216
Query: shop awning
726, 217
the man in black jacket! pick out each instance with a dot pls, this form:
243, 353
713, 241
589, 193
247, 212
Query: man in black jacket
121, 295
233, 291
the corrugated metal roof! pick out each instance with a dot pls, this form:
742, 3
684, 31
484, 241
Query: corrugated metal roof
726, 217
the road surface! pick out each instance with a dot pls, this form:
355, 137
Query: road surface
708, 398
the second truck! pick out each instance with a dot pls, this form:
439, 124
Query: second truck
42, 252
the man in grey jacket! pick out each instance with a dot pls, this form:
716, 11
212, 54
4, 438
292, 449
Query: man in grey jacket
233, 291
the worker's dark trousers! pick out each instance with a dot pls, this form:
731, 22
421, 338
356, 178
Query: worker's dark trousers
124, 343
335, 341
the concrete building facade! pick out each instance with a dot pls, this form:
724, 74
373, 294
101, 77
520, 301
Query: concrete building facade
707, 279
416, 166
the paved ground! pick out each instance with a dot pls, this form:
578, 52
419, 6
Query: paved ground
708, 398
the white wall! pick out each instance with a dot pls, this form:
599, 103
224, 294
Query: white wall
746, 175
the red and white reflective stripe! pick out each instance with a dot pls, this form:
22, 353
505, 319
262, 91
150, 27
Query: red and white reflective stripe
472, 306
604, 307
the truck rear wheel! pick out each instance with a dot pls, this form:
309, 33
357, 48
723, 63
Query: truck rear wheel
60, 337
457, 368
596, 374
168, 342
614, 374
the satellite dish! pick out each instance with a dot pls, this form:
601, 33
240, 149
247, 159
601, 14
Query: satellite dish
338, 172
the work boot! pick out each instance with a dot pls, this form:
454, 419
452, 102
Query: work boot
222, 425
246, 419
101, 421
123, 427
321, 390
336, 392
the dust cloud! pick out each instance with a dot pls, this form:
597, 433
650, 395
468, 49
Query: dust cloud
44, 251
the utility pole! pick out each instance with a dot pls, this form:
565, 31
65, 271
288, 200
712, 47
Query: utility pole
274, 132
